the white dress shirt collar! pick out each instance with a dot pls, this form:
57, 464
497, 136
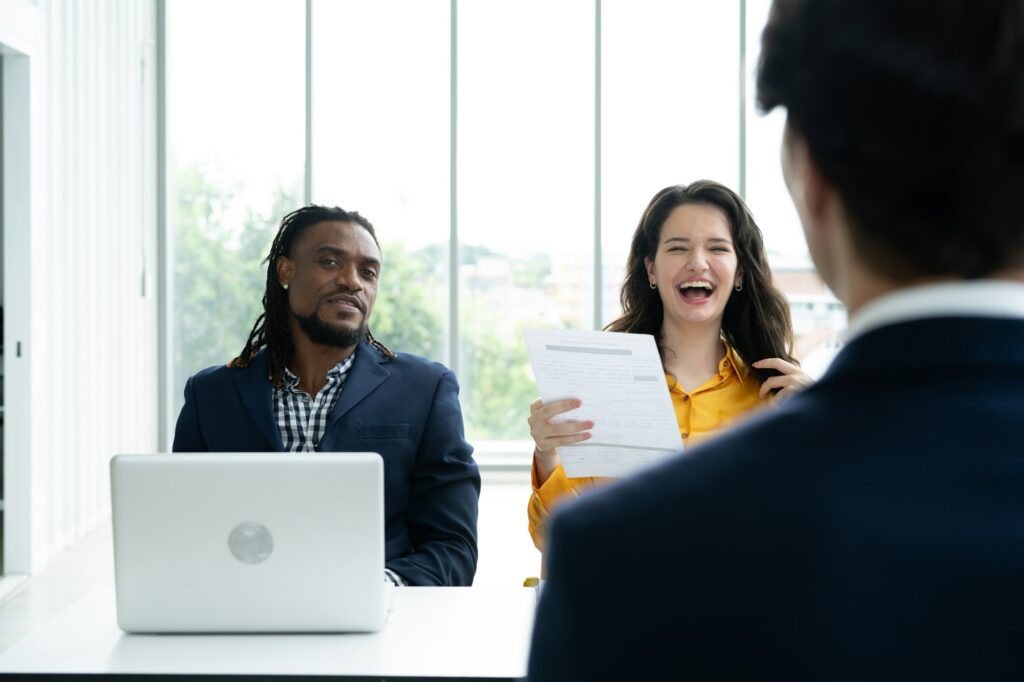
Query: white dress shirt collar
969, 298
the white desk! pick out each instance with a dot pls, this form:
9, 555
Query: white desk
432, 632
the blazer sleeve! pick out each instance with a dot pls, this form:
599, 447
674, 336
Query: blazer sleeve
187, 435
442, 512
544, 498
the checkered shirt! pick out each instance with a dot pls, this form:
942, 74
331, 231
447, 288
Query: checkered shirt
301, 419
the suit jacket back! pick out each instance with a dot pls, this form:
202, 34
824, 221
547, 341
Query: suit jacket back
872, 527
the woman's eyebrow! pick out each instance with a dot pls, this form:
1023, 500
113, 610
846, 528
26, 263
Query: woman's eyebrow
721, 240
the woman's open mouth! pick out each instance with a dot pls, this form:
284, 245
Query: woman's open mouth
696, 291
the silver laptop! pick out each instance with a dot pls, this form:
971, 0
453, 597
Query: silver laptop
249, 542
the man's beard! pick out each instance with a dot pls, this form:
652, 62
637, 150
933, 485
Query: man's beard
321, 333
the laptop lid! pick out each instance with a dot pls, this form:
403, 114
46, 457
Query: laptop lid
249, 542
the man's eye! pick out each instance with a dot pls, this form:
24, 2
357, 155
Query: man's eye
370, 274
328, 261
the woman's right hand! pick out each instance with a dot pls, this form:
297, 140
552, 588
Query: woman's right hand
548, 436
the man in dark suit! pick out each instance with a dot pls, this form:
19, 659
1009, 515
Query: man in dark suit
312, 378
872, 527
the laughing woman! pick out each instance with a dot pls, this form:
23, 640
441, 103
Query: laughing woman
698, 281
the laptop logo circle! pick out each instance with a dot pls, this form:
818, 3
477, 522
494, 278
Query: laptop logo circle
250, 542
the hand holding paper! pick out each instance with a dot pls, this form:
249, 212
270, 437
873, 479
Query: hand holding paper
549, 432
621, 383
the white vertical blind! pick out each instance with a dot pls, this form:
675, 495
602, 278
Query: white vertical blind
94, 308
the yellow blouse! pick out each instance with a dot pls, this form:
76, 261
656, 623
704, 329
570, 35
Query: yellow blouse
700, 413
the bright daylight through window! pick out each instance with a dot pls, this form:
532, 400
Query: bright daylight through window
536, 151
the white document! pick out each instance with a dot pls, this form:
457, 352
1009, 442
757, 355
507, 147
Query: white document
620, 380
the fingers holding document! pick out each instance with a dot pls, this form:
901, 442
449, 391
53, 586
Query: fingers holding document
550, 433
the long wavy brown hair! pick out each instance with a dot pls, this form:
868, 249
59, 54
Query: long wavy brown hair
756, 320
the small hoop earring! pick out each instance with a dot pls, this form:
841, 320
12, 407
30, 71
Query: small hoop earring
653, 285
739, 287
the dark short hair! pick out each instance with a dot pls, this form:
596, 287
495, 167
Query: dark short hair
915, 112
756, 320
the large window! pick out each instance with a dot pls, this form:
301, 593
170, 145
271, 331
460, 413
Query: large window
670, 82
503, 149
817, 314
381, 146
235, 94
525, 200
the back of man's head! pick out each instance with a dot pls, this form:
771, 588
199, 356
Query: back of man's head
914, 111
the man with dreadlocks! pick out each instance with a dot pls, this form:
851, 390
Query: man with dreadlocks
311, 377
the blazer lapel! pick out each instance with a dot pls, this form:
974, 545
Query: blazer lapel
366, 375
257, 397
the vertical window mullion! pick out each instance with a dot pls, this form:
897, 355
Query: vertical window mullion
598, 267
307, 185
453, 237
165, 255
743, 100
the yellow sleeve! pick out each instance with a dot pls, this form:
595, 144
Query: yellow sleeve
546, 497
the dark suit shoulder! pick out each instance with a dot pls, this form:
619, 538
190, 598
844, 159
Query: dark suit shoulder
215, 375
414, 366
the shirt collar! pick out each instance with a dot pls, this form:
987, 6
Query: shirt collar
732, 361
969, 298
339, 370
342, 367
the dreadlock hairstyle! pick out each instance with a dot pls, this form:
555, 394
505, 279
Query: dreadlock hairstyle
756, 321
271, 328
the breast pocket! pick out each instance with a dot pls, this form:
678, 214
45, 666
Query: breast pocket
383, 431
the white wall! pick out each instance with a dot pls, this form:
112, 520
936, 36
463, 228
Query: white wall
93, 341
21, 31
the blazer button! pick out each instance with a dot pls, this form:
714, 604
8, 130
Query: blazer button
685, 435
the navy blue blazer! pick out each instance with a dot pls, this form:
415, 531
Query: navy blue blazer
872, 527
406, 409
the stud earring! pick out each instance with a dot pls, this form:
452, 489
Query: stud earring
653, 285
285, 286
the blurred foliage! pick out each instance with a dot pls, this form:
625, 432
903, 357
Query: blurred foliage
218, 279
408, 316
500, 388
220, 276
533, 272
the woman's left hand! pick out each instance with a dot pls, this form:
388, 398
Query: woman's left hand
791, 380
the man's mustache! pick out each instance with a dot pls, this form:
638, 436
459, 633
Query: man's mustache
347, 298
